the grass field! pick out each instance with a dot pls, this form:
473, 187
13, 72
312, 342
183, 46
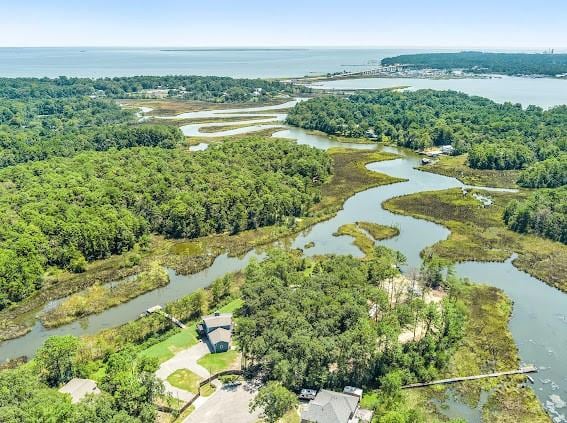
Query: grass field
361, 240
218, 362
185, 379
166, 349
488, 345
479, 233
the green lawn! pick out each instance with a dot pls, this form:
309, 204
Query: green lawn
185, 379
215, 363
167, 348
232, 306
207, 390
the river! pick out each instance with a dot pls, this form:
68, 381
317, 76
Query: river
543, 92
539, 318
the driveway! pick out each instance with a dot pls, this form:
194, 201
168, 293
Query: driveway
186, 359
227, 405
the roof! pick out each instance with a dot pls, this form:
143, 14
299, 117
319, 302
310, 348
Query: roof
78, 388
220, 335
218, 320
330, 407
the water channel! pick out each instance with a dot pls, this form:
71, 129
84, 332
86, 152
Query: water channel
539, 319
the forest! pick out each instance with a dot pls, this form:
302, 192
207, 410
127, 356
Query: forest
496, 136
64, 212
202, 88
549, 173
36, 129
543, 213
480, 62
336, 321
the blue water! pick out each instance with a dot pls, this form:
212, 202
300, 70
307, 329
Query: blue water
245, 63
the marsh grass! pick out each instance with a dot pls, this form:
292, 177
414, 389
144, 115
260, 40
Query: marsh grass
213, 129
377, 231
98, 298
365, 234
456, 166
479, 233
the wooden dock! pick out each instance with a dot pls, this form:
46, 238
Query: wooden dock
158, 309
522, 370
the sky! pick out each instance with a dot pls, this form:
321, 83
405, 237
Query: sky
512, 24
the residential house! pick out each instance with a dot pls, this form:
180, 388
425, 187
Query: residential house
217, 329
79, 388
331, 407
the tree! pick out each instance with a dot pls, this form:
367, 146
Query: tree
133, 384
56, 360
275, 400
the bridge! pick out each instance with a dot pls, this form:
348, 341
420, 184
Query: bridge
375, 71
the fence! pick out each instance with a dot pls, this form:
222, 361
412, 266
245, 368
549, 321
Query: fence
198, 394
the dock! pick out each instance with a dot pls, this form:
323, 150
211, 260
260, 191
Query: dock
522, 370
159, 310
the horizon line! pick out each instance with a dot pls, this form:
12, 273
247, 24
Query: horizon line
292, 47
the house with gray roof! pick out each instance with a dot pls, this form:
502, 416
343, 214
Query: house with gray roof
217, 330
79, 388
331, 407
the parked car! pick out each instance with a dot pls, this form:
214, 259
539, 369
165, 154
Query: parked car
307, 394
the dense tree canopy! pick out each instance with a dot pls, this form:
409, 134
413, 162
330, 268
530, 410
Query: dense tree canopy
330, 322
497, 136
95, 204
205, 88
129, 388
479, 62
542, 213
35, 129
549, 173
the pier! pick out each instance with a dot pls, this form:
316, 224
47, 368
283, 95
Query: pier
159, 310
522, 370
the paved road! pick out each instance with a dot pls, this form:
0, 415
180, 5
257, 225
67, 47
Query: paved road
186, 359
227, 405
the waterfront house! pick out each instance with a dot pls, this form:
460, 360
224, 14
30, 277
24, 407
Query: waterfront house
216, 329
331, 407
